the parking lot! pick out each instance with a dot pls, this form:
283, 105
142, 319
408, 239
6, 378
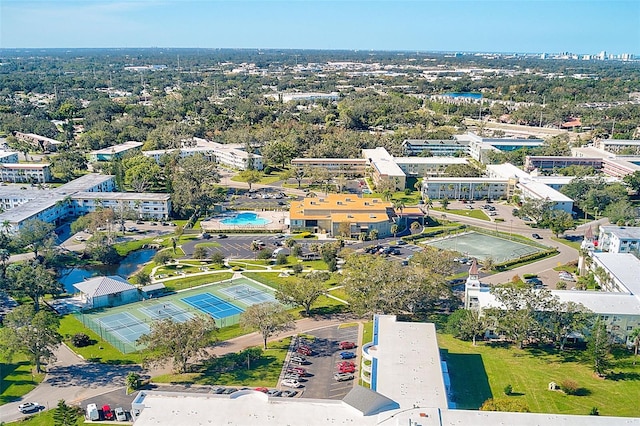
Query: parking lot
321, 365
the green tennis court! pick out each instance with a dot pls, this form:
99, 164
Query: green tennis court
123, 325
481, 246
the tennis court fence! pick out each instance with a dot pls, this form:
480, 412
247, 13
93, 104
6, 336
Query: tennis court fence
106, 334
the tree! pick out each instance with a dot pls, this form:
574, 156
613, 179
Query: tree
344, 229
279, 151
65, 415
33, 281
536, 209
297, 173
466, 324
634, 337
142, 173
193, 185
35, 233
268, 319
250, 177
200, 252
444, 203
302, 292
621, 212
394, 229
415, 226
217, 258
598, 347
562, 318
162, 257
33, 333
461, 170
132, 381
633, 180
178, 342
559, 221
255, 248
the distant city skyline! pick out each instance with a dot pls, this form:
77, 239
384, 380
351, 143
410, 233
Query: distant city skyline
531, 26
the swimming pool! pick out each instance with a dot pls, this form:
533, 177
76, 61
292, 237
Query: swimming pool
245, 219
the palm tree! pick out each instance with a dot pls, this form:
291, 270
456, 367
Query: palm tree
634, 337
255, 248
6, 226
415, 226
394, 229
387, 194
399, 205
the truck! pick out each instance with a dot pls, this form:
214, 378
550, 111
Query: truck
92, 412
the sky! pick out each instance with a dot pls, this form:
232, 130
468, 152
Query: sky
524, 26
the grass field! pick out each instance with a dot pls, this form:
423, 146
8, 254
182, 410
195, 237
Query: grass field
100, 350
189, 282
482, 372
477, 214
263, 372
572, 244
16, 379
45, 418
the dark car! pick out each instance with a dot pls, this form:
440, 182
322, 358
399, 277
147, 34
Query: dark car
536, 282
222, 236
536, 236
229, 391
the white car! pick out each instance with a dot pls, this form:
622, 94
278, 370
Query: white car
291, 383
121, 416
29, 407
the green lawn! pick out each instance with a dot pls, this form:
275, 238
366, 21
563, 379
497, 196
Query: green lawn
482, 372
477, 214
263, 372
16, 379
572, 244
100, 351
45, 418
189, 282
273, 280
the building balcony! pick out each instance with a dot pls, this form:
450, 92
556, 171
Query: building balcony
369, 351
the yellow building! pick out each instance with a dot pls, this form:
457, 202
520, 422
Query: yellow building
334, 212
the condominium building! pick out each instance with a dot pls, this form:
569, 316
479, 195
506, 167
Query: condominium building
435, 147
336, 213
41, 143
25, 173
384, 169
619, 239
619, 146
115, 151
463, 188
427, 166
336, 166
8, 157
226, 154
78, 197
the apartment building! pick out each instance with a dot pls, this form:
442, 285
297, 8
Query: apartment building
336, 166
40, 143
619, 239
115, 151
8, 157
384, 169
328, 214
25, 173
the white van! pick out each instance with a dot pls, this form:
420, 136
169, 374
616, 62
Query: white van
277, 251
92, 412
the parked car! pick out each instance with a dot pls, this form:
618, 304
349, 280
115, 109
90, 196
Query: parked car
298, 359
291, 383
346, 345
205, 236
401, 242
274, 392
121, 416
229, 391
536, 236
347, 355
222, 236
92, 412
293, 376
288, 393
261, 389
218, 390
534, 281
106, 412
341, 377
297, 370
347, 369
29, 407
346, 363
304, 350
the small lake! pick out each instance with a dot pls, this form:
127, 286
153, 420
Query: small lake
128, 266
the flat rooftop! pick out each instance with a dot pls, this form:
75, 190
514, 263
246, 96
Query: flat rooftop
382, 161
625, 267
507, 170
430, 160
543, 191
115, 149
132, 196
622, 232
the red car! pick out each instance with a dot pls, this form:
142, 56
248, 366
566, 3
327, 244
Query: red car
347, 345
297, 370
346, 364
107, 413
304, 350
263, 390
347, 369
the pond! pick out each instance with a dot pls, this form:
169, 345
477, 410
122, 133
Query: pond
128, 266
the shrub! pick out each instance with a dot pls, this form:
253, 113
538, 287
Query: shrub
217, 258
297, 268
80, 340
265, 254
236, 268
561, 285
200, 253
527, 276
508, 390
281, 259
267, 170
408, 191
569, 387
594, 411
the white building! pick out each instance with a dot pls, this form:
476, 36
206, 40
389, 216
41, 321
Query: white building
230, 155
464, 188
115, 151
619, 239
409, 385
384, 168
41, 143
427, 166
25, 172
77, 197
8, 157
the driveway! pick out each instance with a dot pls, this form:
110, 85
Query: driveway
72, 379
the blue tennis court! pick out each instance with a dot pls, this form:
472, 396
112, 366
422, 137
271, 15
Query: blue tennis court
247, 294
212, 305
127, 327
160, 311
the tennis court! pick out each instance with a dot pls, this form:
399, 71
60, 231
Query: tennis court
247, 294
124, 325
161, 311
212, 305
481, 246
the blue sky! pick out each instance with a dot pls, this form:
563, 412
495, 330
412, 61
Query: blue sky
579, 26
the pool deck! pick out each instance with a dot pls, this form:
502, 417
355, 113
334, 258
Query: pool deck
276, 222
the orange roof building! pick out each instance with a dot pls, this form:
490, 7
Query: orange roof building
328, 214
